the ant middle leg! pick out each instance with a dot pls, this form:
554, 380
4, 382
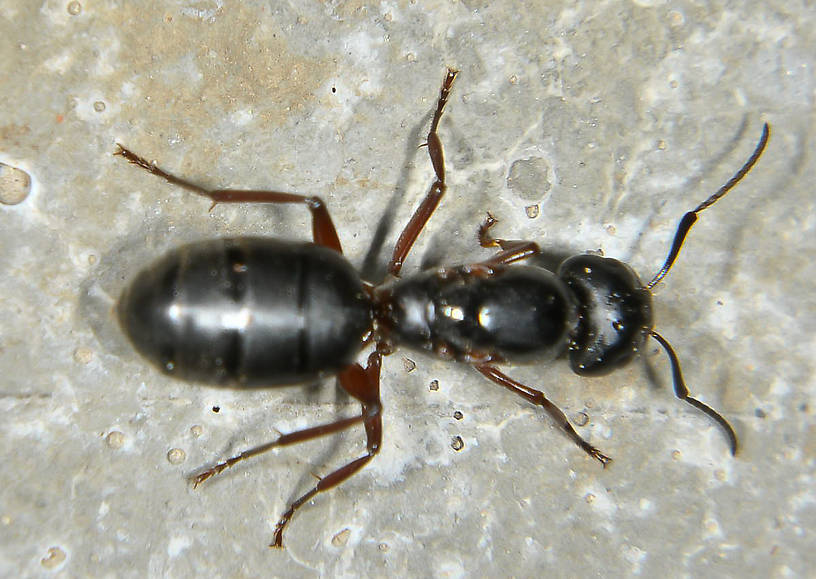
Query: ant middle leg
323, 230
537, 397
364, 385
361, 383
434, 196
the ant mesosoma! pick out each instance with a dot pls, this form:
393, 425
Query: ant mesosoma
252, 312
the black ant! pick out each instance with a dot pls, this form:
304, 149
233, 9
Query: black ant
252, 312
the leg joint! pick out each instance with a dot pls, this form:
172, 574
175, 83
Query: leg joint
315, 202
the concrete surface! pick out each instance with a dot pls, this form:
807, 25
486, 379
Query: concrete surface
587, 126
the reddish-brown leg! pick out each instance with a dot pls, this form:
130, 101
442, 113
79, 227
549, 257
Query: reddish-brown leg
283, 440
323, 230
364, 385
361, 383
511, 250
426, 208
538, 398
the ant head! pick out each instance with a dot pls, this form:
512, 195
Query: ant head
615, 313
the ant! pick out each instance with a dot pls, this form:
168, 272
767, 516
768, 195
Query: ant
252, 312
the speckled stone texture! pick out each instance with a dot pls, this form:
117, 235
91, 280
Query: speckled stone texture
589, 126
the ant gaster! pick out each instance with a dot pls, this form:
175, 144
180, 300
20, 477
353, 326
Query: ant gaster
251, 312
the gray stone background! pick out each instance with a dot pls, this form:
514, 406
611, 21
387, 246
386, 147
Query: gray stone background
586, 126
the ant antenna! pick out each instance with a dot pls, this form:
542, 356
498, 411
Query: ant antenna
682, 392
680, 389
690, 217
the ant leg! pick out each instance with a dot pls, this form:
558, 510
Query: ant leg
426, 208
511, 250
681, 391
283, 440
323, 230
537, 397
364, 385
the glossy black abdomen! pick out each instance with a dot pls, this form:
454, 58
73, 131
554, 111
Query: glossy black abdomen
247, 312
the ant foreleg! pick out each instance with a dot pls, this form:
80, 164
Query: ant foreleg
511, 250
537, 397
